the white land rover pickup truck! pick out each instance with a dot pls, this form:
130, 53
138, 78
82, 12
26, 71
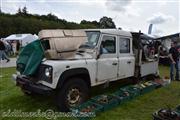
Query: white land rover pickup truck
108, 55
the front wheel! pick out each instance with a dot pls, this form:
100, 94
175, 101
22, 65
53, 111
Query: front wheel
74, 92
28, 93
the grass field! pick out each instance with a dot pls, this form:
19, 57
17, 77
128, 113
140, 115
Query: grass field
141, 108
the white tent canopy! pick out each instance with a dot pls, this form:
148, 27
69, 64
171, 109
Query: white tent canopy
23, 38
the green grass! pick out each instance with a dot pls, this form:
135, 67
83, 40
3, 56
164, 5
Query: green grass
141, 108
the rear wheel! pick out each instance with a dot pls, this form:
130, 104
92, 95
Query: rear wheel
74, 92
135, 80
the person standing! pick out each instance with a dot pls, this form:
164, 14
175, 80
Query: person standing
174, 60
2, 51
7, 47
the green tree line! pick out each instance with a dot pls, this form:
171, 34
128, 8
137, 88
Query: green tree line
24, 22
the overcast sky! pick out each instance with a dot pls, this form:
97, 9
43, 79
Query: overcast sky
130, 15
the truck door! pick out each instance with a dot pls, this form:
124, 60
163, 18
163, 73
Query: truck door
107, 64
125, 57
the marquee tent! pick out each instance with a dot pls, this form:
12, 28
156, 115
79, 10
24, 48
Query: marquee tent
24, 39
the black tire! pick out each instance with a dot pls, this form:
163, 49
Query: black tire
63, 103
135, 80
27, 92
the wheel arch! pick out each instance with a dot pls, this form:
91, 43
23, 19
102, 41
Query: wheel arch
82, 73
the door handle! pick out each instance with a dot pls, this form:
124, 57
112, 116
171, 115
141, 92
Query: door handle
114, 63
129, 62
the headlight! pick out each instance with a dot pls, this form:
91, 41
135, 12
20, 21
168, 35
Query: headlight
45, 73
48, 72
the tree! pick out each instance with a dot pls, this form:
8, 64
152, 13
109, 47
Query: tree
106, 22
52, 17
97, 24
84, 22
19, 11
91, 23
23, 22
24, 10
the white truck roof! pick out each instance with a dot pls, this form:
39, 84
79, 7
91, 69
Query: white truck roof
112, 31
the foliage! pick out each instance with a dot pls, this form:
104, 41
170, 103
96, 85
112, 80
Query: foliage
93, 23
24, 22
106, 22
27, 23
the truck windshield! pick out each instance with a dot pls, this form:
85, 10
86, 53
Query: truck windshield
93, 37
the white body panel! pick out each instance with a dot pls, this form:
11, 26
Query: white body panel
149, 68
126, 61
126, 66
59, 66
106, 70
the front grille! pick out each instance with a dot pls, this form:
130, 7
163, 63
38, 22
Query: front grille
41, 74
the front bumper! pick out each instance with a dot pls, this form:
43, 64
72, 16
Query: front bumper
31, 86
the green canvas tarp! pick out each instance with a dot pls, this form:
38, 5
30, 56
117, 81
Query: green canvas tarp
30, 58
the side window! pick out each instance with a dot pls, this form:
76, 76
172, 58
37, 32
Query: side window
108, 45
124, 45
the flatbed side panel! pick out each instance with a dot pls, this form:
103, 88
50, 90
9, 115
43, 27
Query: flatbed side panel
149, 68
